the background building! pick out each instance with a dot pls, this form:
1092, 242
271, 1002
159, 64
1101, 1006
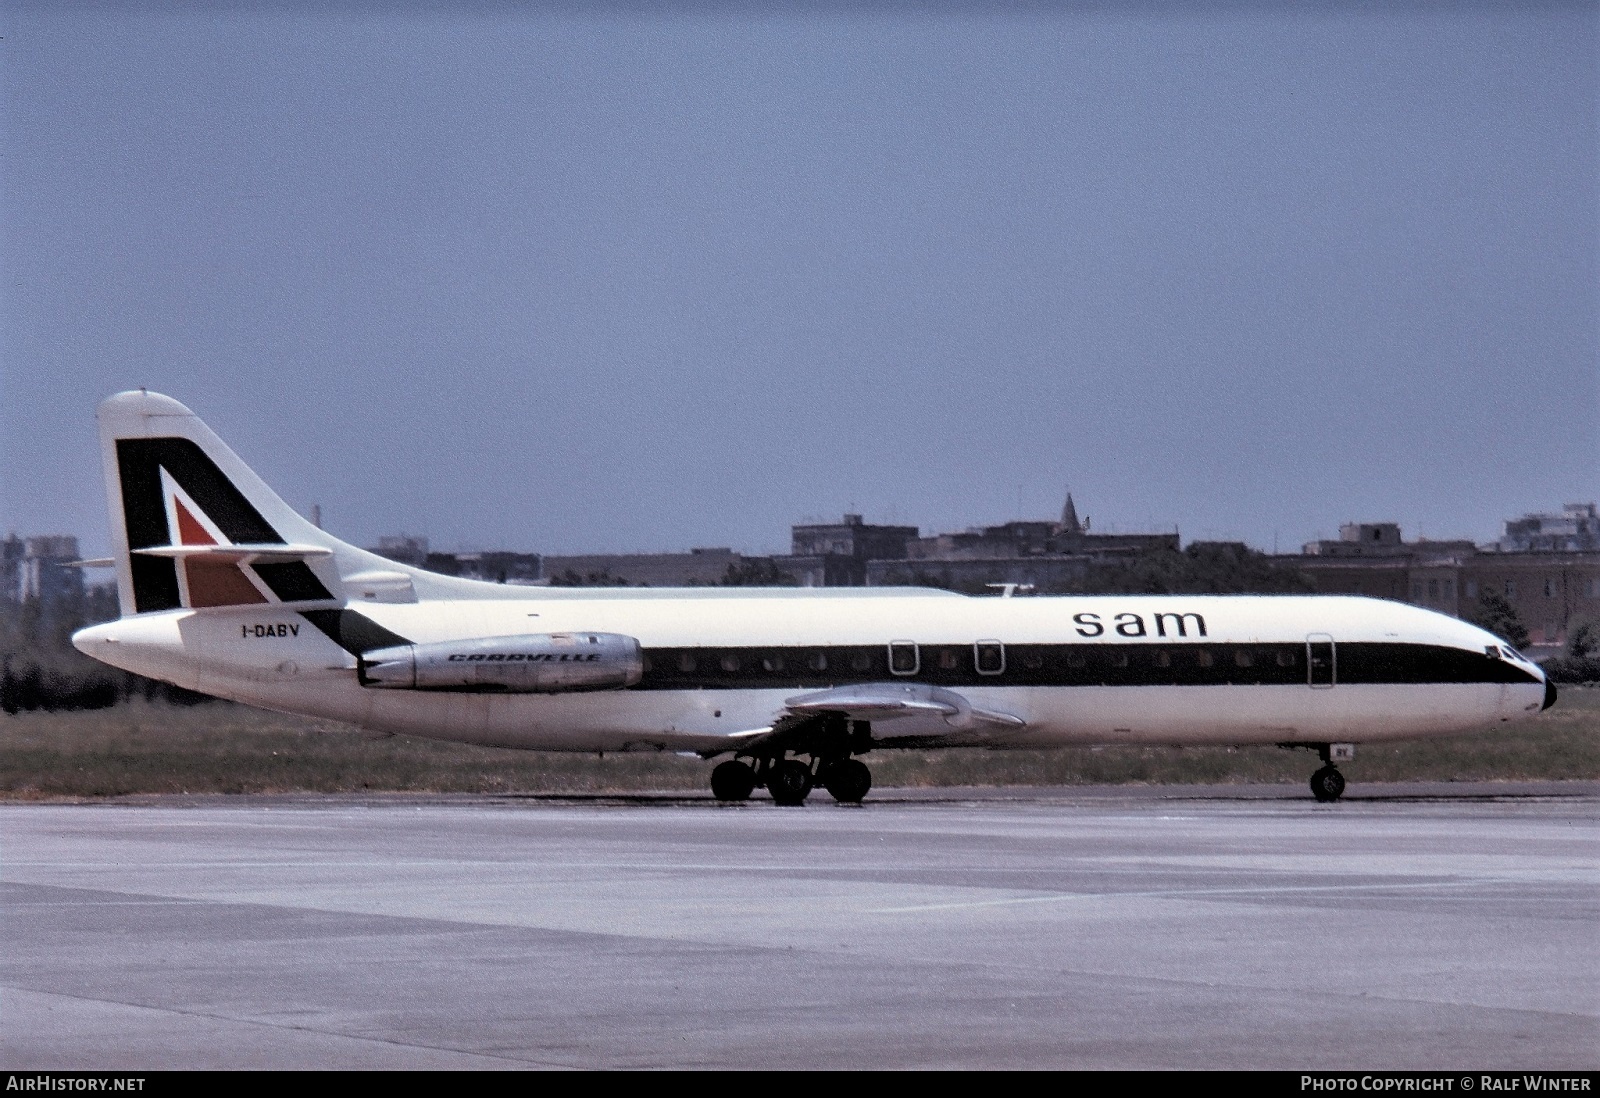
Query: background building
1575, 529
1551, 588
837, 554
696, 568
1030, 552
43, 568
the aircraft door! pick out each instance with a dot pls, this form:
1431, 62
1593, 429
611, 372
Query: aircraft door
1322, 667
904, 658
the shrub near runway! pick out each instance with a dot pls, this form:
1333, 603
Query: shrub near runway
144, 747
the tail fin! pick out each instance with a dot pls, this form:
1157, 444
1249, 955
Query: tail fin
193, 526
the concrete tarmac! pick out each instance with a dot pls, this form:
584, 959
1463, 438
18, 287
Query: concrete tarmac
1439, 927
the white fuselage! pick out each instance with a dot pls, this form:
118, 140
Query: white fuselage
721, 665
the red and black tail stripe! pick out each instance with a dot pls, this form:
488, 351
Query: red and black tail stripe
155, 579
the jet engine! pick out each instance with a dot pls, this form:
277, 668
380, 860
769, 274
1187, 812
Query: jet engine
535, 663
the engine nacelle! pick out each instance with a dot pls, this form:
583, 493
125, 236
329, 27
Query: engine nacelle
535, 663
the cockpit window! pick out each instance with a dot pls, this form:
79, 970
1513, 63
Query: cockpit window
1514, 654
1492, 651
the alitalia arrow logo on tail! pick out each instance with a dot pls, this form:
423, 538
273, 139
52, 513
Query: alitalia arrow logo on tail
194, 540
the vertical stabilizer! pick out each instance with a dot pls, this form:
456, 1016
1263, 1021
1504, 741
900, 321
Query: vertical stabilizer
193, 526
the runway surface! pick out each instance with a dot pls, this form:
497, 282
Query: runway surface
1448, 927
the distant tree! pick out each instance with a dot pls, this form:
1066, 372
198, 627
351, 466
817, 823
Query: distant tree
1581, 662
757, 572
39, 668
1499, 617
1584, 641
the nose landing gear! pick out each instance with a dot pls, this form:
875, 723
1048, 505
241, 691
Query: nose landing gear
1327, 784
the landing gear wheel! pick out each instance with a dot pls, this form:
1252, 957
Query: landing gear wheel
789, 782
1327, 784
732, 781
848, 780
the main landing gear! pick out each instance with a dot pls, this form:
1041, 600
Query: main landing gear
790, 780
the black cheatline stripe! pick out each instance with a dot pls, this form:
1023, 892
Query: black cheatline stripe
292, 581
354, 632
1080, 664
144, 512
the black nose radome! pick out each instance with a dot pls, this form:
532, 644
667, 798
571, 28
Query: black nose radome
1549, 695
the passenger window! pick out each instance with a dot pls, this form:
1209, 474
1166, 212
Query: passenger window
1241, 658
1285, 658
1034, 662
730, 662
861, 661
1076, 660
686, 663
772, 662
947, 660
903, 658
1203, 657
1161, 658
1119, 659
818, 661
990, 657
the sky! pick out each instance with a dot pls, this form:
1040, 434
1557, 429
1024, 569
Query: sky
603, 277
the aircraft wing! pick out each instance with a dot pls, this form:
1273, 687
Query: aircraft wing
900, 713
894, 700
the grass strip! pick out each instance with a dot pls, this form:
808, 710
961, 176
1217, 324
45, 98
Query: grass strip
154, 747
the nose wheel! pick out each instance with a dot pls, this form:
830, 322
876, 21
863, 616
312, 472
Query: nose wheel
1327, 784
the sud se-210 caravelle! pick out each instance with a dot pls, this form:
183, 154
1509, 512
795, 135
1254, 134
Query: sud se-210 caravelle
226, 590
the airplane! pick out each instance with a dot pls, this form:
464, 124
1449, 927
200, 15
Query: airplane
226, 590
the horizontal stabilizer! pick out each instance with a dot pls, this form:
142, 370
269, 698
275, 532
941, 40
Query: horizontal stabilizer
236, 552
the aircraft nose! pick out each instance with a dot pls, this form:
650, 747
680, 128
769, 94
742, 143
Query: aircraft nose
1549, 695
